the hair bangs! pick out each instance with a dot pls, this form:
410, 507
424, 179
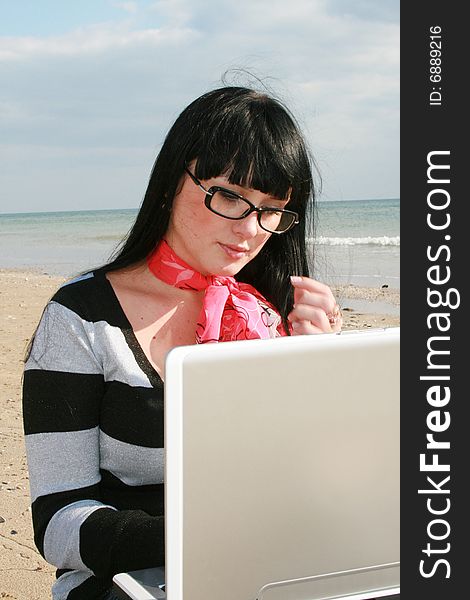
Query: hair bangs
258, 147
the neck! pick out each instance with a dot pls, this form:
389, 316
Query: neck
167, 266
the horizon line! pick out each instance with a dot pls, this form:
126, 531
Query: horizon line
42, 212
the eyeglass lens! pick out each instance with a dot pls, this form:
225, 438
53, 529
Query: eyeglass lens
231, 206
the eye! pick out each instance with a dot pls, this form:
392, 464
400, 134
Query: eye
274, 204
228, 196
274, 209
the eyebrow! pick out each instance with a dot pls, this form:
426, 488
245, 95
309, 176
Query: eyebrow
270, 199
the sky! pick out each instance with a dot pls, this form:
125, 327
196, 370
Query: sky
89, 89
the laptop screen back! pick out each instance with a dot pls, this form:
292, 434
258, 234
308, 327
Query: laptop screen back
282, 467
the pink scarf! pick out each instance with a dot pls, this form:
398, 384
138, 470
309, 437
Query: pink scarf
231, 310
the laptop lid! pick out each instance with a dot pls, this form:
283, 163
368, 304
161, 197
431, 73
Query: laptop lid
282, 468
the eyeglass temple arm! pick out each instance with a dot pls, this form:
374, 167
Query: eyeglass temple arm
197, 182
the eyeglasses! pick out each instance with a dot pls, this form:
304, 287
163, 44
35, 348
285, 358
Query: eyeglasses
230, 205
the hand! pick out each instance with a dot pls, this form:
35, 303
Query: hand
315, 308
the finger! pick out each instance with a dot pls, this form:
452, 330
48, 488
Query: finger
310, 291
306, 312
312, 285
305, 328
335, 327
335, 318
324, 301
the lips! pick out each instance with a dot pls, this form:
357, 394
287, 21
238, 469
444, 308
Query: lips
234, 251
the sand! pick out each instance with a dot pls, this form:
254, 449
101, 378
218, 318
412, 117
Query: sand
24, 575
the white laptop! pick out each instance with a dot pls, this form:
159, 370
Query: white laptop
282, 471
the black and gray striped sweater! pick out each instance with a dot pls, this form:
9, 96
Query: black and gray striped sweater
93, 419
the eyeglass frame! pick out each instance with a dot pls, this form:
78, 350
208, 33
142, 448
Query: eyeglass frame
252, 208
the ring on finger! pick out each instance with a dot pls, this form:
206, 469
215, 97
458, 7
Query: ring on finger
335, 315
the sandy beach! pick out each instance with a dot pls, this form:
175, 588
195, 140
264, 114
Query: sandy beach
24, 575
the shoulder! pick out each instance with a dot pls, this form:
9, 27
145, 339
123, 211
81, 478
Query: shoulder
77, 316
90, 297
79, 291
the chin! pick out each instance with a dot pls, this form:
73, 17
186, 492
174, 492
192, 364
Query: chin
231, 269
228, 271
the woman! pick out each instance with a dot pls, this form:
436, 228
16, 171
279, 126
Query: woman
227, 198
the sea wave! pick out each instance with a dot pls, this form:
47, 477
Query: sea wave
358, 241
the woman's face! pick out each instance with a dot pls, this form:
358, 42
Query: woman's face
212, 244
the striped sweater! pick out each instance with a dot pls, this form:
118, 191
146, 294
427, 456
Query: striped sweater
93, 420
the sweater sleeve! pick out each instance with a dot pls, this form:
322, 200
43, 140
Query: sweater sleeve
62, 391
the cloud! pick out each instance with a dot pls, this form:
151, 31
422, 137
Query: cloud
91, 41
112, 90
368, 10
129, 7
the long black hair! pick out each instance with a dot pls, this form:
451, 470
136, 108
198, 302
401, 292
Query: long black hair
254, 141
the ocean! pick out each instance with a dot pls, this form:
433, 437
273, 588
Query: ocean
356, 242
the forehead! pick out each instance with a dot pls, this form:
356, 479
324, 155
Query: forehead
263, 175
241, 189
248, 193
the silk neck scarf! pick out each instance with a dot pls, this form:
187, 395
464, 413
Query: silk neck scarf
231, 310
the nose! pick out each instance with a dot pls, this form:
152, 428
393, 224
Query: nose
247, 227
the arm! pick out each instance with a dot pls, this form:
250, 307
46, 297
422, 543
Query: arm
62, 393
